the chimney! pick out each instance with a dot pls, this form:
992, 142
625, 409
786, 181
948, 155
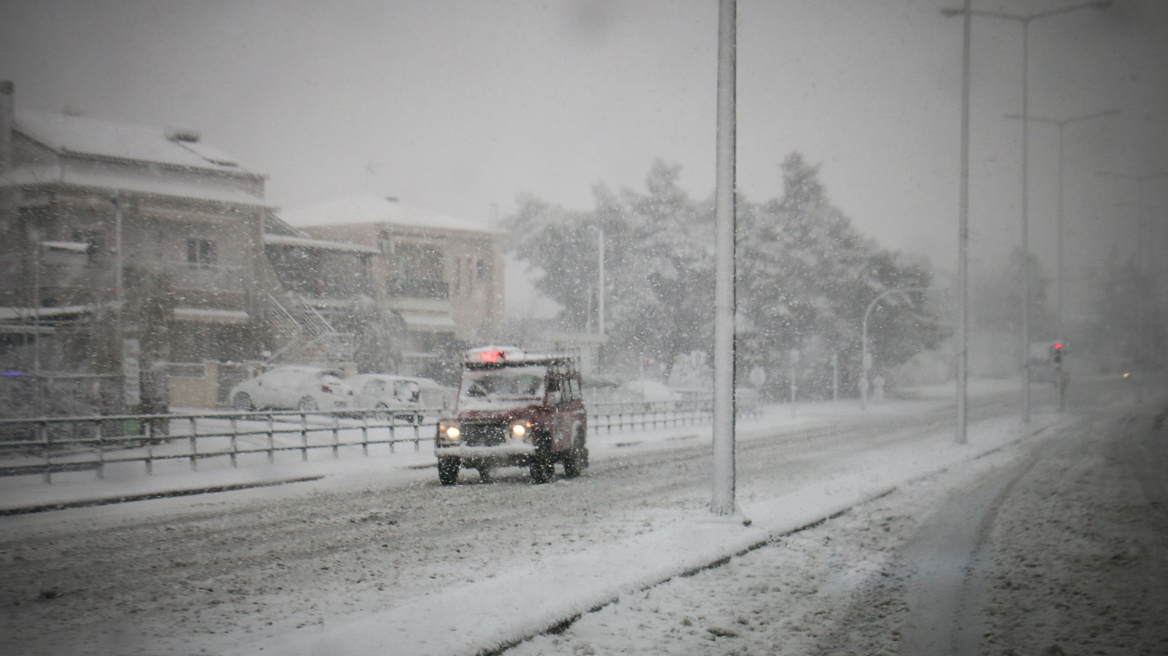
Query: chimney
7, 123
188, 135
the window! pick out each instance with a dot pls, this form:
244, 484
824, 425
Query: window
201, 253
90, 237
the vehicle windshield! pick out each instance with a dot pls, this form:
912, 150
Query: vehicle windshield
501, 387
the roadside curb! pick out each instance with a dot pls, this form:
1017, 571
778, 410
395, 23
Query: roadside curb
144, 496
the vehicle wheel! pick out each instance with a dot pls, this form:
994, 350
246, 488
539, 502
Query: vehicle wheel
485, 475
542, 469
307, 404
242, 402
448, 467
581, 446
577, 458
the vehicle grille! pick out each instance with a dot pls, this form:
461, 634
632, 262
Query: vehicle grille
484, 434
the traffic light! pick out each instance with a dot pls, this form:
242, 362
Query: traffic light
1056, 353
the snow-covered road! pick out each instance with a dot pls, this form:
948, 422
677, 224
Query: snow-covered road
1055, 546
313, 562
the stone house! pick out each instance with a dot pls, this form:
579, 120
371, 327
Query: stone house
428, 283
124, 249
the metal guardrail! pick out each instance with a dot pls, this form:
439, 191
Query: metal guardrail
647, 415
50, 445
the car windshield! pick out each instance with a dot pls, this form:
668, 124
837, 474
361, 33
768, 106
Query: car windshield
493, 387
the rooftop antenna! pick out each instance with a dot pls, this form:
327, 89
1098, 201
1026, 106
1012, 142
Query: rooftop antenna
371, 170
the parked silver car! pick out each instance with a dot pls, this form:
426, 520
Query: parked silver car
388, 392
293, 388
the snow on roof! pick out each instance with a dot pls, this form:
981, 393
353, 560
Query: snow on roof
375, 209
53, 173
28, 314
73, 246
286, 240
83, 135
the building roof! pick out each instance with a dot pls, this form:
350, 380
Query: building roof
375, 209
54, 173
320, 244
82, 135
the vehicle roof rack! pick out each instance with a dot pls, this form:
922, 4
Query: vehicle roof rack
486, 356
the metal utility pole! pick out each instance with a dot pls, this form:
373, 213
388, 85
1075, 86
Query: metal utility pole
39, 404
119, 266
600, 282
1142, 245
1025, 20
723, 502
1060, 278
963, 236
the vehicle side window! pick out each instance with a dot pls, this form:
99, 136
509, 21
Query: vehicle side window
406, 391
554, 394
574, 389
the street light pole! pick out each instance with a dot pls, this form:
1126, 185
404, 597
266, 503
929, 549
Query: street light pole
723, 502
1025, 20
864, 363
1141, 329
1061, 123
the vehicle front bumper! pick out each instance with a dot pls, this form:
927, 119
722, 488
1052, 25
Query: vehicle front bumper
497, 452
501, 455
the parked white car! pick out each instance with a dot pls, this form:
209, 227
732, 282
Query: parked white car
293, 388
649, 390
389, 392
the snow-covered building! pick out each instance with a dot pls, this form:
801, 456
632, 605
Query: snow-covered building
83, 200
429, 282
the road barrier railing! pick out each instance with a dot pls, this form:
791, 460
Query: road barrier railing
51, 445
607, 418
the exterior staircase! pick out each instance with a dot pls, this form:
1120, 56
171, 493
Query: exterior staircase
305, 334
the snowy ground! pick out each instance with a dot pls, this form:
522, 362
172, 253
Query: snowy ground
1067, 553
377, 558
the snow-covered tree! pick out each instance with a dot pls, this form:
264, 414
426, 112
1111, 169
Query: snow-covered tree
805, 275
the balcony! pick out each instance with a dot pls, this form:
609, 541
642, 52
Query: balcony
417, 288
207, 277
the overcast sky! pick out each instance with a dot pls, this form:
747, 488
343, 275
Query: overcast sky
460, 104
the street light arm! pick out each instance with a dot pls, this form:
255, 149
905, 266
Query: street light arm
1026, 18
1036, 119
1097, 4
1137, 178
1106, 112
1065, 121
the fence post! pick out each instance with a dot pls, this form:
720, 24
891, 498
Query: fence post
149, 461
194, 444
234, 444
417, 422
391, 427
304, 436
336, 436
271, 440
43, 427
364, 433
100, 451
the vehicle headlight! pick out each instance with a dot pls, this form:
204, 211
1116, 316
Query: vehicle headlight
448, 431
520, 428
